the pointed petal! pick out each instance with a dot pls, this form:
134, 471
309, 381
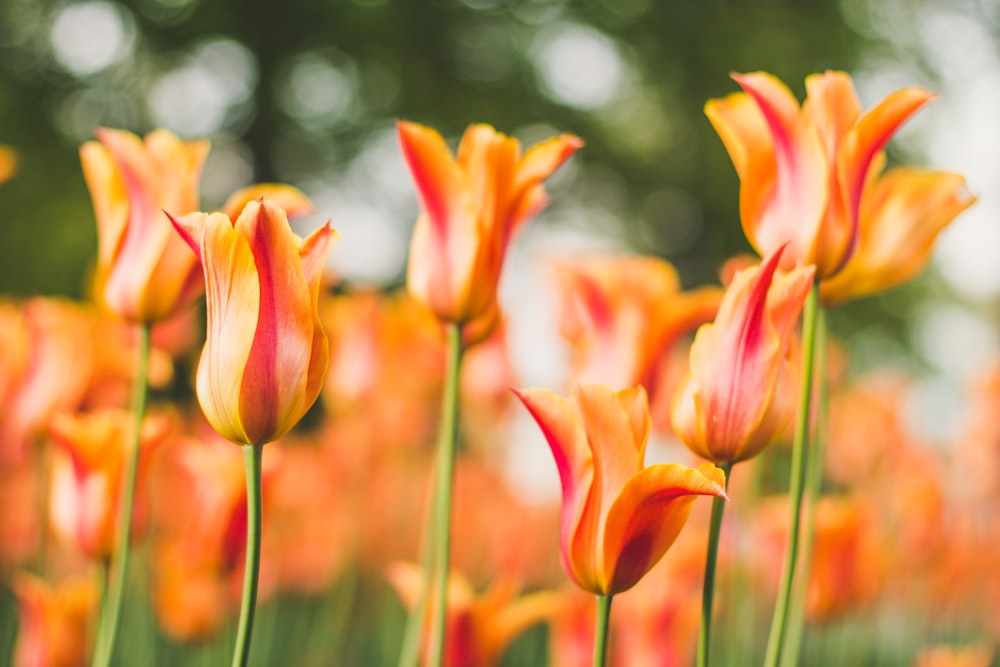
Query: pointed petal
833, 106
107, 192
560, 422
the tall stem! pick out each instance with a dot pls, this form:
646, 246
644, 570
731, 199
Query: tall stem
800, 444
708, 587
107, 628
814, 483
253, 456
601, 630
444, 483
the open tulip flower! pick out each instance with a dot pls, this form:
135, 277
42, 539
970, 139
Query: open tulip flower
618, 517
472, 205
802, 171
902, 213
266, 353
741, 389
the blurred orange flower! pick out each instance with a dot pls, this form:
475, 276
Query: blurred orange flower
144, 272
266, 353
472, 205
8, 163
954, 656
741, 390
56, 622
87, 475
802, 171
480, 627
623, 316
618, 517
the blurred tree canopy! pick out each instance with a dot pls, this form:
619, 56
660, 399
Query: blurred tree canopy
307, 91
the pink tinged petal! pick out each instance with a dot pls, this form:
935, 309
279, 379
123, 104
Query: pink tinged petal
147, 230
446, 238
647, 516
272, 393
232, 292
291, 199
561, 424
191, 228
793, 211
537, 164
861, 146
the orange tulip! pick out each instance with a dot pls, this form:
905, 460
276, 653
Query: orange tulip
902, 213
265, 353
55, 622
740, 392
802, 171
481, 626
623, 318
8, 163
618, 517
88, 473
472, 205
144, 272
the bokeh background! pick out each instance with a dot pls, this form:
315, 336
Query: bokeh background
307, 93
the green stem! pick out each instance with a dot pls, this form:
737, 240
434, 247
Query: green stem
417, 616
800, 444
601, 631
253, 456
448, 432
111, 608
814, 483
708, 587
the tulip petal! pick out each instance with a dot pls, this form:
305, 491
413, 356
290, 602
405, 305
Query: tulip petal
232, 292
315, 249
277, 369
647, 517
833, 106
109, 197
794, 209
565, 434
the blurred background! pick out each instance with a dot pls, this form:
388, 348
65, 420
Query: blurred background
308, 94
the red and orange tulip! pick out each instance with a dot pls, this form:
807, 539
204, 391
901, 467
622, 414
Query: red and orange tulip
741, 390
618, 517
481, 626
472, 205
88, 472
802, 171
266, 353
144, 272
55, 622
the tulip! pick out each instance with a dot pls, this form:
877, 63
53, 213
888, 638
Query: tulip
618, 517
802, 171
740, 392
902, 213
144, 272
8, 163
482, 626
472, 205
265, 353
55, 621
88, 471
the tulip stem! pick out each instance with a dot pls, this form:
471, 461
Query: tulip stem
601, 630
708, 587
417, 616
800, 445
253, 456
814, 483
444, 483
107, 628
